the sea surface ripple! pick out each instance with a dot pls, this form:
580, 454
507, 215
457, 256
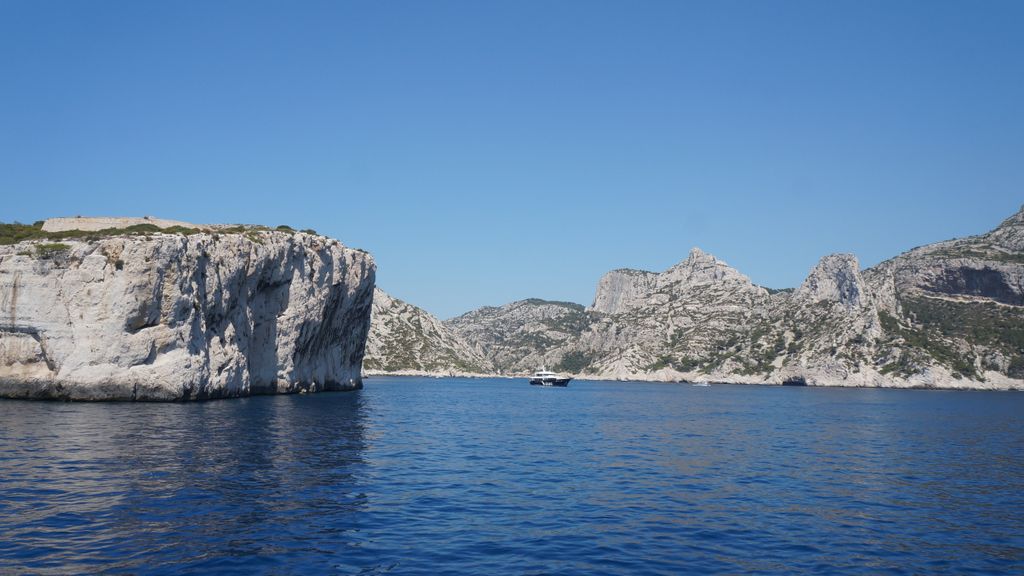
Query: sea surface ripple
459, 476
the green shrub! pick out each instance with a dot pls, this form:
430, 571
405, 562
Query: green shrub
939, 324
180, 230
51, 250
1016, 368
17, 232
661, 362
682, 364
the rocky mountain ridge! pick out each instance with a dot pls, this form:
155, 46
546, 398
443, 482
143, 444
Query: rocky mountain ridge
945, 315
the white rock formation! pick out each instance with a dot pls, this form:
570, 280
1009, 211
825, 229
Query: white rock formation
620, 290
701, 269
171, 317
836, 278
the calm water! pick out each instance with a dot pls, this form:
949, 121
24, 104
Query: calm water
458, 476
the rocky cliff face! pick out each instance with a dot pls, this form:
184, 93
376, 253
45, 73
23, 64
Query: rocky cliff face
407, 339
173, 316
693, 309
953, 312
835, 280
620, 290
948, 315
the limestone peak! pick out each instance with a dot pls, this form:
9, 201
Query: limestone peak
700, 267
836, 277
621, 289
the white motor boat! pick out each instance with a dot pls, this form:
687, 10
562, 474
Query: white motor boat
544, 378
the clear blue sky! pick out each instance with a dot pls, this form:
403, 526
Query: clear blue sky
491, 151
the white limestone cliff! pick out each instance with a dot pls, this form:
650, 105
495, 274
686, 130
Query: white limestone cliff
173, 317
837, 279
620, 290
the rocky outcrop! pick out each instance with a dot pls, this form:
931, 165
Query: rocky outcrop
691, 310
953, 312
823, 331
988, 267
175, 317
837, 279
408, 340
620, 290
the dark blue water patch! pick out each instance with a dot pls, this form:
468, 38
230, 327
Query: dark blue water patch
453, 476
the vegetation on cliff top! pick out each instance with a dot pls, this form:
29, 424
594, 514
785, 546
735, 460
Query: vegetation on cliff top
17, 232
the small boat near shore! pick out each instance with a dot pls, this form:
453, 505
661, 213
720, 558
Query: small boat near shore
544, 378
702, 383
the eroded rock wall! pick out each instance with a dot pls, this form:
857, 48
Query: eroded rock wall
173, 317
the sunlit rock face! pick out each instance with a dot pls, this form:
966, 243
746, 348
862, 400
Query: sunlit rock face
177, 317
620, 290
836, 278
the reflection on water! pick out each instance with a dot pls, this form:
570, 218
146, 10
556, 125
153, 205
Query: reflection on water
494, 476
203, 486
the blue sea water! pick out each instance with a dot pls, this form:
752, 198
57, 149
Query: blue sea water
459, 476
